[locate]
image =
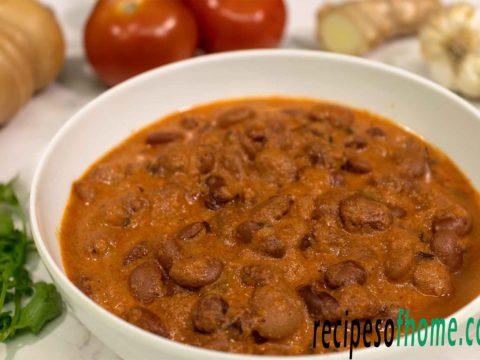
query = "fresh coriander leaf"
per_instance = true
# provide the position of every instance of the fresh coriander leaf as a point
(5, 321)
(45, 305)
(7, 195)
(6, 225)
(16, 286)
(23, 282)
(8, 297)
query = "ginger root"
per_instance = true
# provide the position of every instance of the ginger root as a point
(356, 27)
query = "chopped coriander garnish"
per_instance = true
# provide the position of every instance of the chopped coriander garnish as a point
(24, 305)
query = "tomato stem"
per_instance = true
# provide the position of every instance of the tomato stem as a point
(130, 7)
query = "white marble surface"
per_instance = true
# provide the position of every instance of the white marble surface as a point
(24, 139)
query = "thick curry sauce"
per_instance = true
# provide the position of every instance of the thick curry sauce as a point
(233, 226)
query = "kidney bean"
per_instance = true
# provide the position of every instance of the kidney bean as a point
(273, 209)
(234, 116)
(444, 245)
(276, 165)
(172, 162)
(345, 273)
(458, 220)
(423, 238)
(211, 203)
(416, 167)
(278, 312)
(400, 256)
(375, 131)
(337, 179)
(324, 209)
(258, 339)
(239, 326)
(162, 137)
(256, 275)
(192, 197)
(424, 256)
(114, 213)
(206, 161)
(246, 230)
(154, 167)
(317, 155)
(459, 225)
(306, 241)
(414, 160)
(338, 116)
(267, 242)
(192, 230)
(219, 193)
(189, 122)
(257, 132)
(432, 278)
(124, 211)
(398, 212)
(361, 214)
(357, 143)
(249, 147)
(108, 173)
(195, 272)
(146, 320)
(274, 247)
(232, 161)
(134, 204)
(98, 246)
(167, 253)
(357, 166)
(390, 311)
(137, 252)
(393, 183)
(359, 302)
(209, 314)
(84, 283)
(85, 190)
(320, 305)
(171, 196)
(145, 282)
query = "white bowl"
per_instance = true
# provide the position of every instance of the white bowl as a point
(439, 116)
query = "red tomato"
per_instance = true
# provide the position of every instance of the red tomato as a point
(126, 37)
(239, 24)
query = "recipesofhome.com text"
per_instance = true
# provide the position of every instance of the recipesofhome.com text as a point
(402, 331)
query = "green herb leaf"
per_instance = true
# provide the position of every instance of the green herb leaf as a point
(7, 195)
(5, 321)
(45, 305)
(6, 225)
(16, 285)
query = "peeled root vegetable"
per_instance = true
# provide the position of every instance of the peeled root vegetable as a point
(356, 27)
(450, 43)
(31, 52)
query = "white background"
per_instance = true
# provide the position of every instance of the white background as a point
(22, 143)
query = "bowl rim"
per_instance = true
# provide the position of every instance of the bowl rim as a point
(171, 346)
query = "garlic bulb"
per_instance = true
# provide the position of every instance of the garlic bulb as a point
(450, 42)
